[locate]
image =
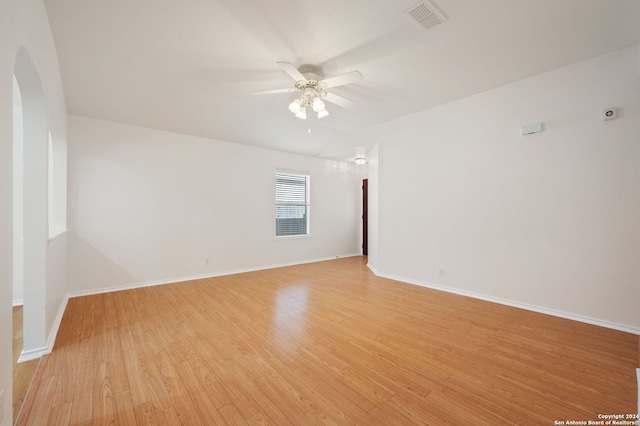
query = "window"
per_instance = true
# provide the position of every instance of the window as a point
(57, 186)
(292, 204)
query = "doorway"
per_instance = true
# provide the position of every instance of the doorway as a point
(29, 216)
(365, 217)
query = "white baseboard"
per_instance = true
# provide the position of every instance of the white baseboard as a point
(53, 333)
(32, 354)
(18, 302)
(51, 340)
(373, 269)
(200, 276)
(534, 308)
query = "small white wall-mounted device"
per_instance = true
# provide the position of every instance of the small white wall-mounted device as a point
(531, 129)
(609, 114)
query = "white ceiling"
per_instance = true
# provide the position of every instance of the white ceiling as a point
(190, 66)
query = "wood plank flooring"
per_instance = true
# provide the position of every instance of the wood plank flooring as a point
(22, 372)
(323, 343)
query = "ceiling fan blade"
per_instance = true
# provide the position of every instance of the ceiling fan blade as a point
(292, 71)
(338, 100)
(346, 78)
(269, 92)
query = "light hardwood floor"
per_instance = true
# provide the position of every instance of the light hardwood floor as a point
(23, 371)
(323, 343)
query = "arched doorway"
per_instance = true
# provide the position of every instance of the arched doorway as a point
(31, 196)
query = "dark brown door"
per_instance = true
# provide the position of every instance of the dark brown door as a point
(365, 213)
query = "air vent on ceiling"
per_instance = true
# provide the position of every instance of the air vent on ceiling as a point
(427, 15)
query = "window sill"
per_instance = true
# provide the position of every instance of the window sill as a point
(55, 233)
(292, 237)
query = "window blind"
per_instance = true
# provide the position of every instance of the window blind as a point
(292, 204)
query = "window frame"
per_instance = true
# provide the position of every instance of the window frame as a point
(307, 203)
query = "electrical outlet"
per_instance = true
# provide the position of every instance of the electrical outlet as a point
(206, 261)
(441, 271)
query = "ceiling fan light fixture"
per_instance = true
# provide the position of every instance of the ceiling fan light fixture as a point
(302, 114)
(317, 104)
(295, 106)
(312, 86)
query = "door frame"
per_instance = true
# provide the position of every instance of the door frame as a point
(365, 217)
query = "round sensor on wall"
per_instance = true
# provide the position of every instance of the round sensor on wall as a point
(609, 114)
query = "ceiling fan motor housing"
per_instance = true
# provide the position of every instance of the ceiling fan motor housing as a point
(311, 72)
(311, 87)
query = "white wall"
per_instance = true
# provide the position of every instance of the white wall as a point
(6, 204)
(373, 206)
(18, 245)
(550, 220)
(148, 206)
(24, 27)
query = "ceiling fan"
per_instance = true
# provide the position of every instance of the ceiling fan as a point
(309, 81)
